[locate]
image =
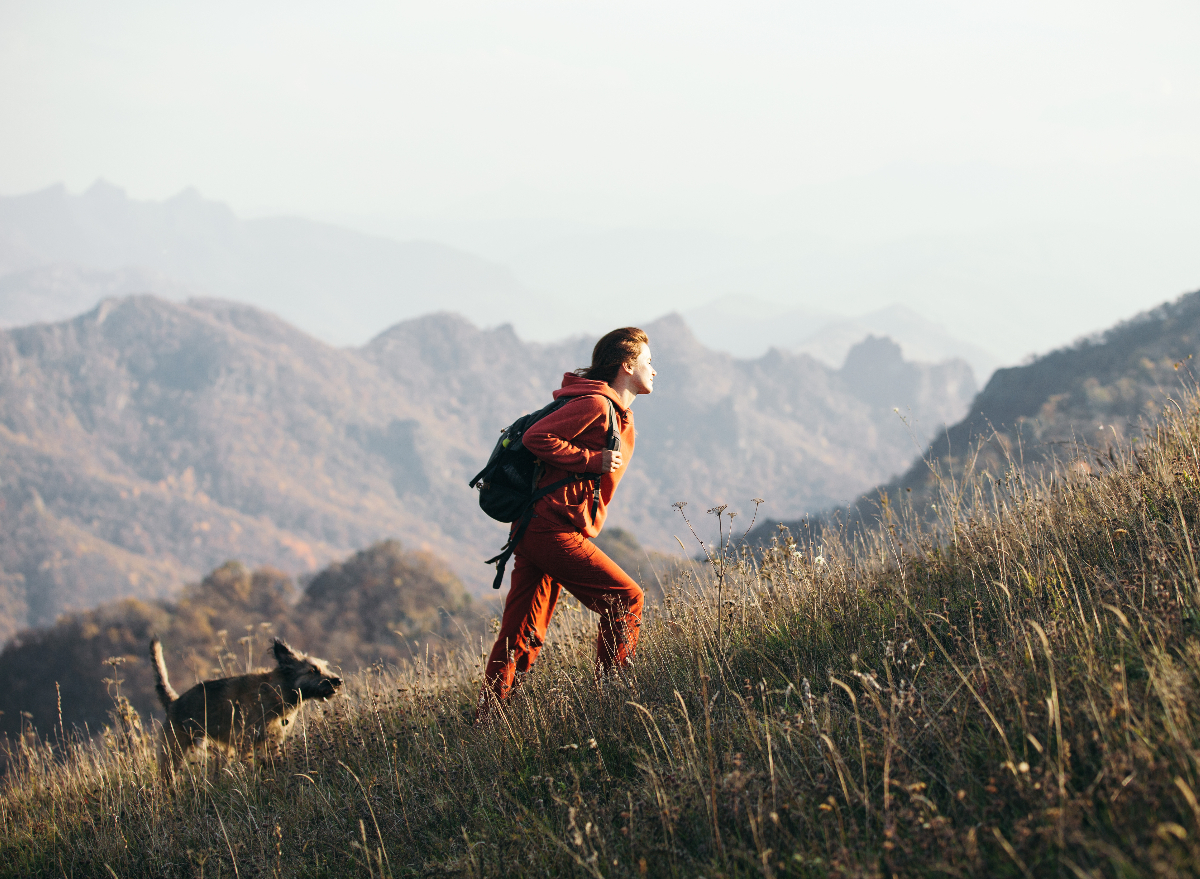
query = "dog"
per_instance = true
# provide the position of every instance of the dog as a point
(240, 715)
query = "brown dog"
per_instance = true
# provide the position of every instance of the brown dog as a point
(240, 715)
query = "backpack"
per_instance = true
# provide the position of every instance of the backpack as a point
(508, 482)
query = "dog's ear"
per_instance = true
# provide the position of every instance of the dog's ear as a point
(283, 653)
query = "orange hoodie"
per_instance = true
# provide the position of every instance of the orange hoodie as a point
(572, 440)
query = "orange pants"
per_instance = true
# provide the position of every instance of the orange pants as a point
(544, 564)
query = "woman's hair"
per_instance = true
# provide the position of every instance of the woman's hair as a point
(613, 351)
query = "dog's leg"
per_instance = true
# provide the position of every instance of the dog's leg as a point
(171, 750)
(165, 768)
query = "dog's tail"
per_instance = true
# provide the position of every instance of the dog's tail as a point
(162, 685)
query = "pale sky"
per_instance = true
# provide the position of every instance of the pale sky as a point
(851, 124)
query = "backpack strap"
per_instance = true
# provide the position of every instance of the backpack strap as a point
(614, 443)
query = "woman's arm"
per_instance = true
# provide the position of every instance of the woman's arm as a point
(554, 438)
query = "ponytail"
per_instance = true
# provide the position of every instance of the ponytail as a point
(613, 351)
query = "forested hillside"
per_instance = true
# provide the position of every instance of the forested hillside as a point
(148, 441)
(376, 606)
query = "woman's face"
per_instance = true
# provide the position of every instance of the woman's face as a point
(642, 373)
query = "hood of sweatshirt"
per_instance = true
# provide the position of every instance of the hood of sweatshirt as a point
(574, 386)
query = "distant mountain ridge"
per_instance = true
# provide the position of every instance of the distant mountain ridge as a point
(60, 291)
(747, 327)
(1067, 408)
(61, 253)
(148, 441)
(334, 283)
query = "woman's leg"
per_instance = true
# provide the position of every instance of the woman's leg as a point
(580, 567)
(532, 596)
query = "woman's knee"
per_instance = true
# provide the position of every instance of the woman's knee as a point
(635, 599)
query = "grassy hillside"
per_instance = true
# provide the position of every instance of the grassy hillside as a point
(1012, 694)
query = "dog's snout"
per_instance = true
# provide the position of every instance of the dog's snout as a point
(337, 682)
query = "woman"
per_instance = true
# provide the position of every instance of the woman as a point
(556, 552)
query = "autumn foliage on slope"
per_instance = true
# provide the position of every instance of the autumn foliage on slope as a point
(368, 608)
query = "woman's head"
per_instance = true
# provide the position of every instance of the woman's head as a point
(614, 350)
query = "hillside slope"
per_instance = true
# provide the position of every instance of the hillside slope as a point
(148, 441)
(1074, 404)
(1068, 407)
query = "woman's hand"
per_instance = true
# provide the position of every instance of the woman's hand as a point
(610, 460)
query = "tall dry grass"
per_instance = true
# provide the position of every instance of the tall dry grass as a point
(1011, 691)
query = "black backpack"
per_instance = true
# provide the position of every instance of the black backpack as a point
(508, 482)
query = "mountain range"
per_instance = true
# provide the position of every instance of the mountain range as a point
(337, 284)
(60, 254)
(148, 441)
(748, 327)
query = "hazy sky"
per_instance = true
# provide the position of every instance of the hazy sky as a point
(857, 124)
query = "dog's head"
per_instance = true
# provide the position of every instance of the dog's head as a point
(307, 675)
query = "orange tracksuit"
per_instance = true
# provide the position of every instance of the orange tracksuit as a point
(556, 552)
